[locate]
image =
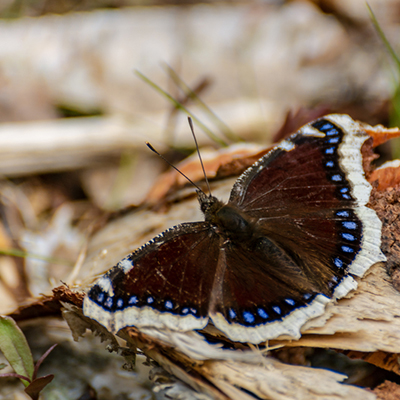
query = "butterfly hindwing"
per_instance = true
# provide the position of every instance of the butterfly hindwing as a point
(165, 283)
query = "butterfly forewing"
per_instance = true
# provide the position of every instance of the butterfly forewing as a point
(308, 207)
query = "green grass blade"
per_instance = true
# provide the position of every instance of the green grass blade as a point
(183, 108)
(224, 129)
(383, 37)
(15, 348)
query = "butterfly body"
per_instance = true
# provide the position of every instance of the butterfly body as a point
(226, 219)
(294, 231)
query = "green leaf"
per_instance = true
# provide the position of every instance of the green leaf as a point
(15, 348)
(35, 387)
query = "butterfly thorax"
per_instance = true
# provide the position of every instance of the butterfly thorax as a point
(227, 219)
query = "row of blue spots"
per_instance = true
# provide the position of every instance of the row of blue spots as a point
(338, 178)
(330, 131)
(108, 302)
(104, 301)
(188, 310)
(249, 317)
(344, 191)
(349, 237)
(168, 305)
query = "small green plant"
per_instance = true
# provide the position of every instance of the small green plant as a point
(15, 348)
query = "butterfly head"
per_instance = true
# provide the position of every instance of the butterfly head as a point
(209, 204)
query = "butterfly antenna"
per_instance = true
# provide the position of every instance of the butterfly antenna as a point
(171, 165)
(198, 152)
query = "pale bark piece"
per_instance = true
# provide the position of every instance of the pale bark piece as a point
(366, 321)
(229, 377)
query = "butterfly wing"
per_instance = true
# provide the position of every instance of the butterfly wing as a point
(307, 197)
(165, 283)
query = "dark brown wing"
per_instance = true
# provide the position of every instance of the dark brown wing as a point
(166, 283)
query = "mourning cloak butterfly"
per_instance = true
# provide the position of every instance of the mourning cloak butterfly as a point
(294, 231)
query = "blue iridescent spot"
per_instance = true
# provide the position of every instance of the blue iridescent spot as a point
(150, 300)
(348, 236)
(291, 302)
(100, 297)
(338, 262)
(185, 310)
(346, 196)
(343, 214)
(331, 150)
(248, 317)
(133, 300)
(193, 311)
(330, 164)
(347, 249)
(336, 178)
(276, 309)
(344, 190)
(168, 305)
(232, 314)
(332, 132)
(109, 302)
(120, 303)
(333, 140)
(326, 127)
(349, 224)
(261, 312)
(306, 296)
